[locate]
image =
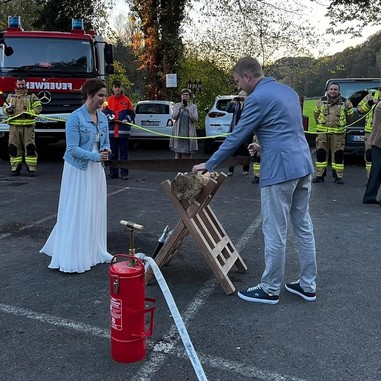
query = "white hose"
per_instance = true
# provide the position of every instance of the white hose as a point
(150, 262)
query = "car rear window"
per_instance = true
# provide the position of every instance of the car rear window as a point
(152, 108)
(222, 104)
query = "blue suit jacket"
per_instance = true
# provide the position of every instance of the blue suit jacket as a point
(272, 111)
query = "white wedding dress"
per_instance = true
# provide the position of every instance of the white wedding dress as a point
(79, 238)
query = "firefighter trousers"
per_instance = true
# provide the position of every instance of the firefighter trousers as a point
(22, 144)
(257, 166)
(368, 154)
(333, 144)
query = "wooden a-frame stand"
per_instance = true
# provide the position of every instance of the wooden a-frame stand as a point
(198, 220)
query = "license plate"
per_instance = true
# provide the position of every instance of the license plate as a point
(220, 129)
(150, 123)
(357, 138)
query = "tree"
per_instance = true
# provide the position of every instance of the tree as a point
(120, 74)
(228, 30)
(160, 25)
(57, 14)
(342, 12)
(215, 80)
(128, 61)
(26, 10)
(128, 44)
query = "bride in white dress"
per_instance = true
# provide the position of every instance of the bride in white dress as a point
(79, 238)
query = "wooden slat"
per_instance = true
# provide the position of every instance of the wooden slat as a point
(198, 220)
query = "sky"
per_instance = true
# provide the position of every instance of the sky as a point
(317, 18)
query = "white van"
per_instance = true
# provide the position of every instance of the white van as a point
(155, 117)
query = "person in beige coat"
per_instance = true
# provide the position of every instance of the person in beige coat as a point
(374, 181)
(183, 141)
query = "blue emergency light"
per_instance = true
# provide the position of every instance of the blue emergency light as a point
(14, 22)
(77, 24)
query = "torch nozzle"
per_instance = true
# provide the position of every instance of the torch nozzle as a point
(164, 235)
(131, 225)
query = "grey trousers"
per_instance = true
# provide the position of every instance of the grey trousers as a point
(281, 204)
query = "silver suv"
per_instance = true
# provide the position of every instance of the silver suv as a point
(217, 122)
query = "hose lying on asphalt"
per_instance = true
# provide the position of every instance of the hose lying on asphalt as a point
(149, 262)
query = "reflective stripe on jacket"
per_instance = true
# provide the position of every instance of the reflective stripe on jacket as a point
(23, 106)
(332, 116)
(363, 108)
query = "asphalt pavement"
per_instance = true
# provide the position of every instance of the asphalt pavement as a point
(56, 326)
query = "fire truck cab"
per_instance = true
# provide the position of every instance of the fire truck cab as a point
(54, 65)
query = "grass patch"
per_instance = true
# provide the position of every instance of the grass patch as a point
(308, 110)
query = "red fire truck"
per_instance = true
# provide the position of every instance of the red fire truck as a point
(54, 65)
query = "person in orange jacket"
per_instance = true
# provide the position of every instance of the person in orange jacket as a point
(118, 107)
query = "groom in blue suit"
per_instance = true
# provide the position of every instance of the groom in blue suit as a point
(272, 112)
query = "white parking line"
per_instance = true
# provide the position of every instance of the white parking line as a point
(42, 220)
(161, 350)
(235, 367)
(171, 339)
(54, 320)
(6, 235)
(130, 188)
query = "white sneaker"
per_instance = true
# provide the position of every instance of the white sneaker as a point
(245, 173)
(230, 173)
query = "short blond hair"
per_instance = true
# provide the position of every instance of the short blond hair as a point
(248, 65)
(183, 91)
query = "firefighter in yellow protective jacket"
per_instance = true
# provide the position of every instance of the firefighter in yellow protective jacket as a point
(332, 113)
(366, 106)
(21, 108)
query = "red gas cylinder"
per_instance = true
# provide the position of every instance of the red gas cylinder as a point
(127, 309)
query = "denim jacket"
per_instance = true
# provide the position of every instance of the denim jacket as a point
(80, 137)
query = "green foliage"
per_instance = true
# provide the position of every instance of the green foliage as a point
(343, 12)
(120, 75)
(57, 14)
(160, 24)
(154, 46)
(124, 54)
(226, 31)
(215, 81)
(308, 76)
(28, 12)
